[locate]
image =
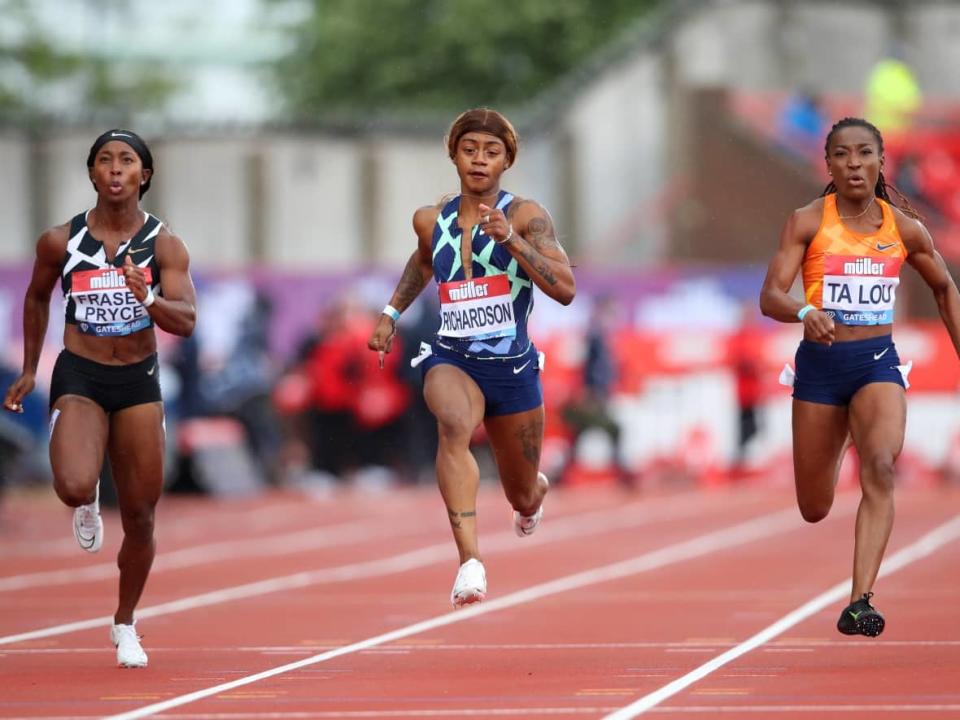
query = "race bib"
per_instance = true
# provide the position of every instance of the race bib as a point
(860, 290)
(477, 309)
(102, 304)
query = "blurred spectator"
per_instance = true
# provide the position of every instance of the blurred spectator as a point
(419, 425)
(892, 94)
(353, 411)
(225, 369)
(802, 125)
(591, 409)
(746, 348)
(23, 437)
(909, 180)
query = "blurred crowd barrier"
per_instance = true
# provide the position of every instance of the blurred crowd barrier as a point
(654, 378)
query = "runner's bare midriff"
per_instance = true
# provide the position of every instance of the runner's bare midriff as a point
(124, 350)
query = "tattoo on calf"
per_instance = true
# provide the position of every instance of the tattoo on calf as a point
(456, 516)
(530, 438)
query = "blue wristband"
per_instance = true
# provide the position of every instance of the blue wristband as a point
(802, 312)
(391, 312)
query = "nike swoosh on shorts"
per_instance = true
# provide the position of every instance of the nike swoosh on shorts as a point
(517, 371)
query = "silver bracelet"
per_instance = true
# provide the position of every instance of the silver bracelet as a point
(507, 238)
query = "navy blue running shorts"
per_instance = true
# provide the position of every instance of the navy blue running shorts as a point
(832, 374)
(508, 386)
(112, 387)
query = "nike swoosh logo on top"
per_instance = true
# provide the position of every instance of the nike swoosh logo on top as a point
(131, 252)
(517, 371)
(152, 370)
(120, 134)
(887, 246)
(877, 356)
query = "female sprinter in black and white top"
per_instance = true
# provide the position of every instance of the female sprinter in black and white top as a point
(121, 273)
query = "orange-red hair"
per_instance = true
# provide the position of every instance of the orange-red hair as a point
(487, 121)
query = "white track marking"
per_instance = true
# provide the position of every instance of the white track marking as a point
(923, 547)
(700, 546)
(184, 529)
(300, 541)
(707, 710)
(593, 522)
(310, 539)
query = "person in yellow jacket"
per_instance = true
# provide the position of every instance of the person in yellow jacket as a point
(893, 95)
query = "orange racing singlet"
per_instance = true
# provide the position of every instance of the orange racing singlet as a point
(853, 277)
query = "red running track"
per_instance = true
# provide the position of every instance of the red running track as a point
(692, 603)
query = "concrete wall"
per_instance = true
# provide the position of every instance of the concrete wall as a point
(615, 153)
(15, 185)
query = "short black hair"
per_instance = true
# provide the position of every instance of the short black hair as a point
(135, 142)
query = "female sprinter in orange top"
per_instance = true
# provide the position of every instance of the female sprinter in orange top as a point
(121, 273)
(486, 249)
(849, 385)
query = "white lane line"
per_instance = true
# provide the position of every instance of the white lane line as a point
(520, 711)
(926, 545)
(300, 541)
(472, 647)
(549, 711)
(585, 524)
(182, 529)
(700, 546)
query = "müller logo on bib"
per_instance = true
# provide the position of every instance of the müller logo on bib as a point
(105, 279)
(861, 266)
(484, 287)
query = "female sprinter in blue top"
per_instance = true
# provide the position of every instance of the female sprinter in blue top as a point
(486, 249)
(121, 273)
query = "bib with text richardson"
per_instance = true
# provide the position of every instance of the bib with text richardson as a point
(104, 306)
(860, 290)
(477, 309)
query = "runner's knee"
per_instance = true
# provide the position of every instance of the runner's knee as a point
(454, 428)
(74, 487)
(877, 473)
(816, 509)
(138, 522)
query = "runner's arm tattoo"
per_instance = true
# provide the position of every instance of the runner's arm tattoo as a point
(541, 235)
(411, 284)
(536, 260)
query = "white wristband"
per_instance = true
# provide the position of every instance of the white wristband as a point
(149, 299)
(802, 312)
(391, 312)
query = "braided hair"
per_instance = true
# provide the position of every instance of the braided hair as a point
(883, 187)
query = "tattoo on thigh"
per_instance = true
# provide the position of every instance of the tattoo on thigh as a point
(530, 438)
(456, 516)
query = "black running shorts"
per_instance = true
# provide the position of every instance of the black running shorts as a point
(112, 387)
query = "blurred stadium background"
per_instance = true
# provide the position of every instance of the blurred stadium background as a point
(294, 138)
